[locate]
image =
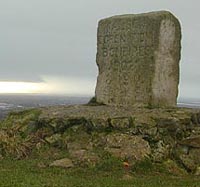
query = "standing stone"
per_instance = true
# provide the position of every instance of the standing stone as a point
(138, 60)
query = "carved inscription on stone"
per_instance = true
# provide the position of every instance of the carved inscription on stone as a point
(126, 56)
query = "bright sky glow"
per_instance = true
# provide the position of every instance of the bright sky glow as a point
(51, 85)
(21, 87)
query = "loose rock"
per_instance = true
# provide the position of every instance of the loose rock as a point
(63, 163)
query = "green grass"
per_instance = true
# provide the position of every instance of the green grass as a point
(26, 173)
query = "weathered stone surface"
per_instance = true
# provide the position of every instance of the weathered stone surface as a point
(121, 123)
(188, 151)
(138, 59)
(124, 146)
(191, 161)
(83, 157)
(64, 163)
(55, 138)
(191, 142)
(197, 172)
(160, 152)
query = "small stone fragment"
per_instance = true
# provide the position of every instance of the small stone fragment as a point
(63, 163)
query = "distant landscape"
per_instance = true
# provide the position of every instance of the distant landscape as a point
(9, 102)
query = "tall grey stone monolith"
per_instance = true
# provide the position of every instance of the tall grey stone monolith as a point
(138, 60)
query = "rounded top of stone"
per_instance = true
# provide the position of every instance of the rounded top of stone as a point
(154, 14)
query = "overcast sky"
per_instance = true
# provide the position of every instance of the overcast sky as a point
(45, 40)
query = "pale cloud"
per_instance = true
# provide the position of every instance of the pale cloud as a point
(67, 85)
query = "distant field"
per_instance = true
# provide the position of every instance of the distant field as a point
(21, 101)
(27, 173)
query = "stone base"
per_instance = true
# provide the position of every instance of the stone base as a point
(88, 132)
